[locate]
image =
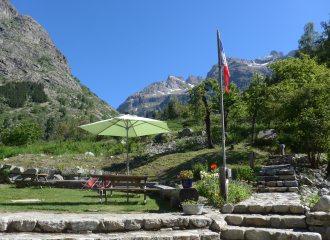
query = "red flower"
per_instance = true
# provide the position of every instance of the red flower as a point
(214, 166)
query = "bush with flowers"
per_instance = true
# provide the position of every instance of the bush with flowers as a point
(209, 188)
(186, 174)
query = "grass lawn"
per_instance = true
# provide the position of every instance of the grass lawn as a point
(63, 200)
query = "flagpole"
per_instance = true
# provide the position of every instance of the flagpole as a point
(222, 170)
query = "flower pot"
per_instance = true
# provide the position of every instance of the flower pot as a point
(192, 209)
(187, 183)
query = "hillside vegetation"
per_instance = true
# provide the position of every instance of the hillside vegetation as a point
(294, 101)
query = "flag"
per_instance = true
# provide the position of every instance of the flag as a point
(225, 66)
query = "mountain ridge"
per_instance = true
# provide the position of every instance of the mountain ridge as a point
(155, 96)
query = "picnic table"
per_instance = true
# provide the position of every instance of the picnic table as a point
(34, 176)
(112, 182)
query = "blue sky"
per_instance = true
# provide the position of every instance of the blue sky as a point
(117, 48)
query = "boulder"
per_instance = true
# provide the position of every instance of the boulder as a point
(89, 154)
(187, 132)
(31, 171)
(201, 133)
(267, 136)
(57, 177)
(322, 205)
(8, 166)
(18, 170)
(227, 208)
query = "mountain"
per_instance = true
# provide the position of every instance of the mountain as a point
(158, 94)
(30, 63)
(241, 71)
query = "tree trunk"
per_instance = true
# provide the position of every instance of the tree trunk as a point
(208, 123)
(328, 169)
(253, 125)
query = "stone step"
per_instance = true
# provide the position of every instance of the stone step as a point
(292, 208)
(277, 160)
(278, 170)
(263, 189)
(293, 183)
(251, 233)
(276, 178)
(195, 234)
(269, 221)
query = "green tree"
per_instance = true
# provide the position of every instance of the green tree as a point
(302, 101)
(147, 116)
(254, 97)
(23, 134)
(231, 102)
(200, 105)
(308, 41)
(323, 45)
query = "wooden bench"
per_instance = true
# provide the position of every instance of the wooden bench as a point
(135, 189)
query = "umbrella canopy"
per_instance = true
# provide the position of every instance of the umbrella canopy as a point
(127, 126)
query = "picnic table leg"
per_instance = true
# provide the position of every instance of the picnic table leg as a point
(106, 197)
(101, 193)
(145, 197)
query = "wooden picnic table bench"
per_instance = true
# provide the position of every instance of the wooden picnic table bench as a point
(34, 176)
(112, 182)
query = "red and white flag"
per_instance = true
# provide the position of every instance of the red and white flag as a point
(225, 66)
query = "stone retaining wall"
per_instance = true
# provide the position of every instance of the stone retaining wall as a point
(319, 222)
(75, 223)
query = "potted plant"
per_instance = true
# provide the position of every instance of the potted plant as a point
(187, 178)
(192, 207)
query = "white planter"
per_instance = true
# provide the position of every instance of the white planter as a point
(192, 209)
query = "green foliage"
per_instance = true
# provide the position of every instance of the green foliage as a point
(63, 101)
(209, 188)
(245, 173)
(316, 44)
(301, 102)
(16, 94)
(5, 172)
(43, 60)
(23, 134)
(197, 169)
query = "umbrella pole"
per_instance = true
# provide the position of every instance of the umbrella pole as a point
(127, 160)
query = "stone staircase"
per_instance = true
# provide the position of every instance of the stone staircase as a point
(275, 211)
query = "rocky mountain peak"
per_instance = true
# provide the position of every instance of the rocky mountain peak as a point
(275, 53)
(192, 79)
(7, 10)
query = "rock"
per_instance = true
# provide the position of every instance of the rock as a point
(24, 225)
(227, 208)
(307, 181)
(187, 132)
(12, 177)
(8, 166)
(267, 136)
(31, 171)
(18, 170)
(322, 205)
(52, 225)
(89, 154)
(113, 224)
(57, 177)
(84, 224)
(201, 133)
(200, 221)
(152, 223)
(133, 224)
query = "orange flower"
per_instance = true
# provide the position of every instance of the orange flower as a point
(214, 166)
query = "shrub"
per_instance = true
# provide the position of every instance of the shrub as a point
(245, 173)
(209, 188)
(197, 168)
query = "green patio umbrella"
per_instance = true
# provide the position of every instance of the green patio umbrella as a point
(127, 126)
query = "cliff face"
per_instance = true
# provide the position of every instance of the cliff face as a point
(27, 53)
